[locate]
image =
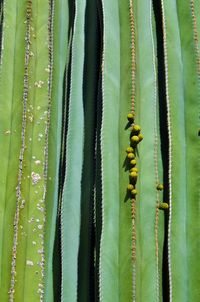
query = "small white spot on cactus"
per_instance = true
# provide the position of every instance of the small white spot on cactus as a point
(49, 178)
(22, 204)
(40, 226)
(33, 242)
(29, 262)
(37, 162)
(41, 209)
(39, 84)
(30, 117)
(30, 139)
(7, 132)
(33, 157)
(31, 220)
(31, 54)
(37, 220)
(35, 178)
(38, 107)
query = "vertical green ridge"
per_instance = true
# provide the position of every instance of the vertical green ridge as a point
(177, 240)
(109, 255)
(70, 212)
(149, 161)
(27, 271)
(60, 33)
(188, 13)
(11, 92)
(125, 224)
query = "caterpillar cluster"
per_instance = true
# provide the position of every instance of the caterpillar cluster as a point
(135, 138)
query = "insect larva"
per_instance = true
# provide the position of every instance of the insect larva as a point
(130, 117)
(134, 169)
(129, 150)
(160, 187)
(134, 192)
(163, 206)
(140, 136)
(135, 139)
(133, 175)
(133, 162)
(136, 129)
(131, 155)
(130, 187)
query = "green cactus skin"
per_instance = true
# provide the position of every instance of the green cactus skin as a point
(179, 29)
(148, 226)
(27, 269)
(11, 93)
(60, 32)
(71, 198)
(109, 274)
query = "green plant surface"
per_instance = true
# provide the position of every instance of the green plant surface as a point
(109, 256)
(189, 34)
(27, 271)
(71, 199)
(125, 224)
(177, 238)
(60, 49)
(11, 93)
(149, 229)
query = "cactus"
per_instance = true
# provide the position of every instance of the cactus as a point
(99, 147)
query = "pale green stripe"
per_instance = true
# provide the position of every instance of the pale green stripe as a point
(11, 92)
(125, 224)
(74, 158)
(190, 53)
(147, 278)
(177, 241)
(60, 34)
(109, 254)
